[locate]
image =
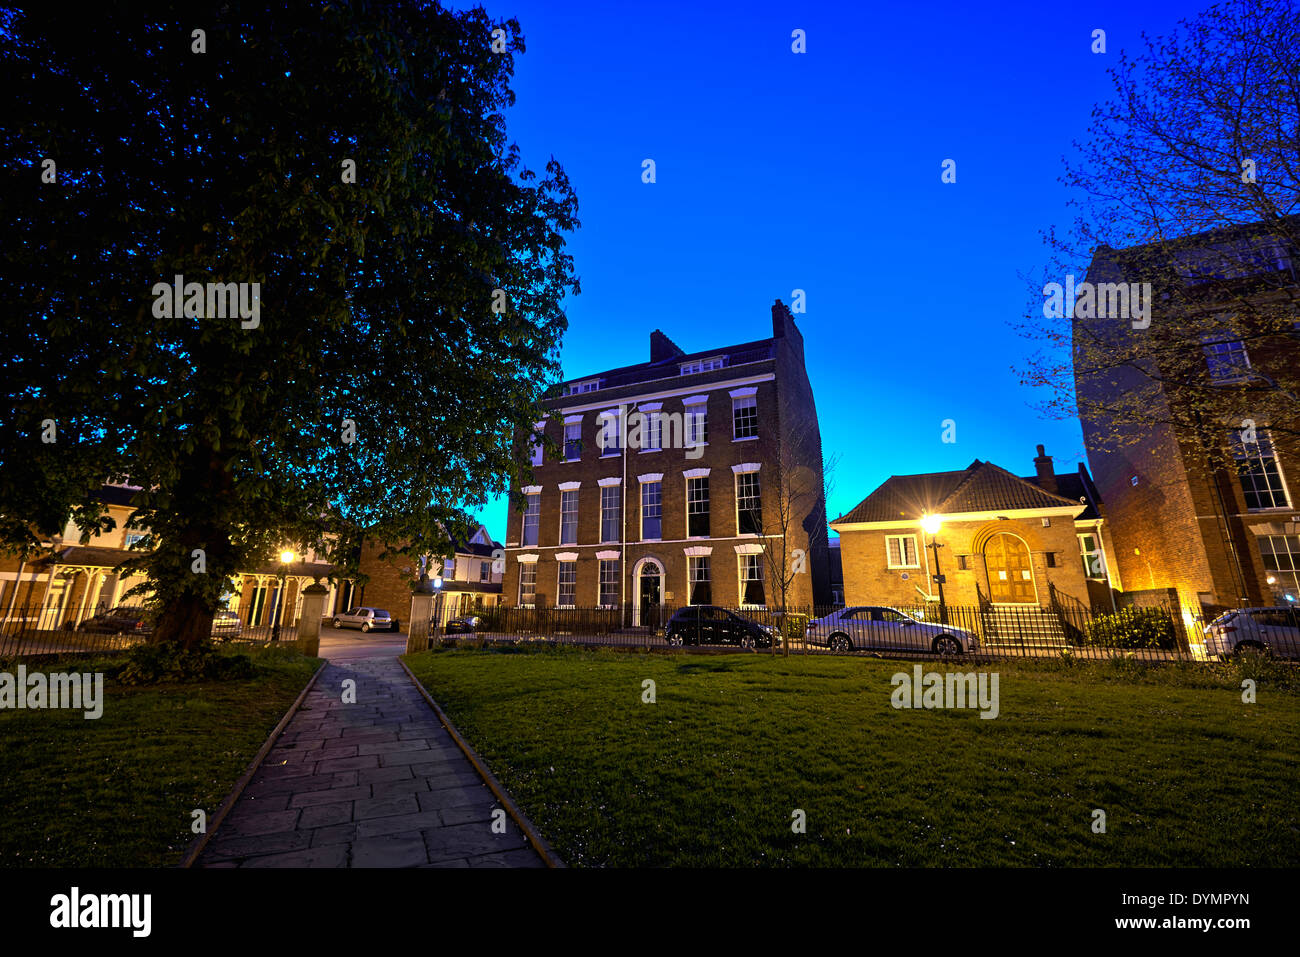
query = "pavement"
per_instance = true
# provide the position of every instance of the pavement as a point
(378, 783)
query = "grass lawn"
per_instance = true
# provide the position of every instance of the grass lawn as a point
(117, 791)
(711, 774)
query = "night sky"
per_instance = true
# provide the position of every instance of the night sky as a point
(821, 171)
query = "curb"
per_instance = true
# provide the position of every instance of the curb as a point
(539, 843)
(199, 843)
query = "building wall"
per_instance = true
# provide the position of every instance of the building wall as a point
(720, 453)
(868, 579)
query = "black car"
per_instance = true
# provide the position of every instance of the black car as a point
(462, 625)
(122, 620)
(710, 625)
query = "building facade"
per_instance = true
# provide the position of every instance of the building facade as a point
(1217, 521)
(72, 582)
(1002, 539)
(468, 582)
(693, 478)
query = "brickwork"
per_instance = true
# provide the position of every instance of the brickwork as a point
(784, 407)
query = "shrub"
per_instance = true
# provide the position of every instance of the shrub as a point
(152, 663)
(1131, 628)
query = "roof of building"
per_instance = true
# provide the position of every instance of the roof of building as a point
(666, 358)
(980, 487)
(1078, 486)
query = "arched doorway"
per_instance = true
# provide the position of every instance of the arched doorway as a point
(647, 592)
(1011, 572)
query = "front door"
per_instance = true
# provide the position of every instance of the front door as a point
(1011, 574)
(648, 604)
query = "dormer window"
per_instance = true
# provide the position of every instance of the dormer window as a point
(703, 365)
(590, 385)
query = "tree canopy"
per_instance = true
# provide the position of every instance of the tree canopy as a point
(348, 165)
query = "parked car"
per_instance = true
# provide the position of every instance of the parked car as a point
(367, 619)
(226, 625)
(876, 627)
(122, 620)
(1274, 631)
(710, 625)
(463, 625)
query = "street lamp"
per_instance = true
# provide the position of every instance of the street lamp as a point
(286, 558)
(930, 524)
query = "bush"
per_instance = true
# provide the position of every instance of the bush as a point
(152, 663)
(1131, 628)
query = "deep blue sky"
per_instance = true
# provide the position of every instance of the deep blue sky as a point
(821, 171)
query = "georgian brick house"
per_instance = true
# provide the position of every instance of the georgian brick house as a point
(669, 483)
(1003, 539)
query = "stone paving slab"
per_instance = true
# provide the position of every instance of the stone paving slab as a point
(378, 783)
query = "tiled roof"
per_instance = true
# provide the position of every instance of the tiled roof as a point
(981, 487)
(89, 555)
(1075, 487)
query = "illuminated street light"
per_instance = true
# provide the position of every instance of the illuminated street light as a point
(286, 559)
(930, 524)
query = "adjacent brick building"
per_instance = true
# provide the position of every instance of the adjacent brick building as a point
(691, 478)
(1220, 536)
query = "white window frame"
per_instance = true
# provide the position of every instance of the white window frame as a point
(647, 480)
(902, 552)
(1254, 453)
(533, 567)
(559, 583)
(565, 492)
(529, 497)
(744, 399)
(741, 471)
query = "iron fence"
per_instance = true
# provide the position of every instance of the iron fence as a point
(984, 631)
(41, 631)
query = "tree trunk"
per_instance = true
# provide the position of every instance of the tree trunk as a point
(184, 621)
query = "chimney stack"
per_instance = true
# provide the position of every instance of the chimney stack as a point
(1046, 473)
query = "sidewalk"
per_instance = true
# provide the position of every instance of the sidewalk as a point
(379, 783)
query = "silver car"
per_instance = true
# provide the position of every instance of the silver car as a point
(367, 619)
(1274, 631)
(226, 625)
(880, 628)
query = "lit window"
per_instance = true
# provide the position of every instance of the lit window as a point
(567, 591)
(1261, 479)
(744, 417)
(1281, 554)
(484, 571)
(569, 517)
(697, 507)
(901, 551)
(1094, 564)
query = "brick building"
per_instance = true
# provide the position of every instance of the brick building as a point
(693, 478)
(1003, 538)
(1215, 521)
(467, 582)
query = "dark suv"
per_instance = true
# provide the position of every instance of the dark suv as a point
(710, 625)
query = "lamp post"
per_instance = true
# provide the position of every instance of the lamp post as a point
(931, 524)
(286, 558)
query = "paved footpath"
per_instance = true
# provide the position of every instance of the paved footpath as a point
(379, 783)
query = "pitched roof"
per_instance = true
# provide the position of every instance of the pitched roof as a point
(981, 487)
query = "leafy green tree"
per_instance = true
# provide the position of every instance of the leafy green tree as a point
(349, 159)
